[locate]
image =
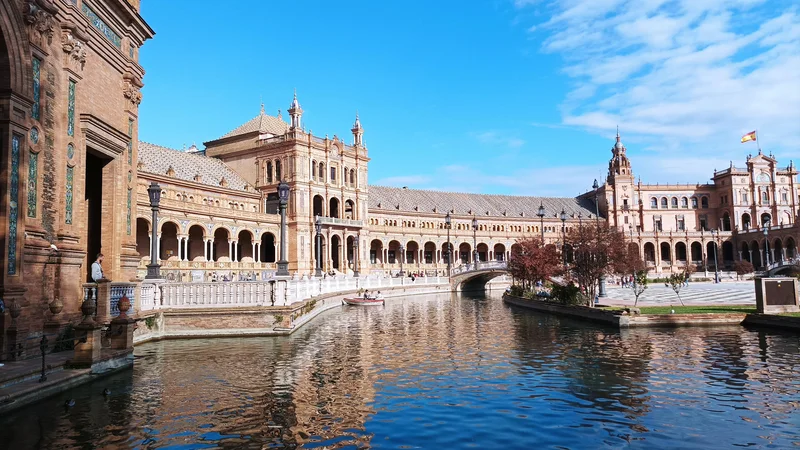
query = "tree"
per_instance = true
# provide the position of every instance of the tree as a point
(531, 261)
(676, 281)
(598, 250)
(742, 268)
(639, 284)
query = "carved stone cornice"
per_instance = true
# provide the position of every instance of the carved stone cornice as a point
(74, 47)
(40, 18)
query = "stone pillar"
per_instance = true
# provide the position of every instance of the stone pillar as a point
(230, 249)
(761, 255)
(751, 255)
(740, 255)
(205, 249)
(254, 252)
(103, 314)
(87, 346)
(257, 252)
(158, 247)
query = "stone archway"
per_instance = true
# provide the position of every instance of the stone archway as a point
(143, 237)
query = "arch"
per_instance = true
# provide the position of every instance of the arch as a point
(349, 210)
(791, 248)
(674, 202)
(650, 252)
(196, 243)
(268, 251)
(445, 254)
(15, 57)
(269, 172)
(654, 203)
(278, 171)
(483, 252)
(348, 251)
(746, 221)
(314, 169)
(321, 172)
(319, 205)
(220, 246)
(353, 178)
(727, 253)
(726, 221)
(746, 252)
(665, 252)
(336, 243)
(412, 249)
(333, 211)
(704, 202)
(680, 252)
(694, 202)
(244, 246)
(142, 237)
(755, 249)
(711, 248)
(696, 252)
(376, 251)
(169, 240)
(684, 202)
(499, 252)
(776, 250)
(664, 204)
(766, 219)
(429, 253)
(465, 253)
(393, 252)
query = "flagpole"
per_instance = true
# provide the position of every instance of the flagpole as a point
(758, 142)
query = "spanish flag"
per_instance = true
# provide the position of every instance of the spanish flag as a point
(751, 136)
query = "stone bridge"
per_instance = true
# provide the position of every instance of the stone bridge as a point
(786, 267)
(469, 277)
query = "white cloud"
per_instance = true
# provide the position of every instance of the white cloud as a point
(684, 77)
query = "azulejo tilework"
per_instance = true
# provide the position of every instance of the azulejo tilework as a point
(68, 195)
(13, 198)
(36, 88)
(98, 23)
(70, 151)
(33, 180)
(71, 109)
(35, 135)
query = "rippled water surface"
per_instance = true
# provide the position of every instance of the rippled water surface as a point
(438, 372)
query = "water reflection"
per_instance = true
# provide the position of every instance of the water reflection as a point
(437, 372)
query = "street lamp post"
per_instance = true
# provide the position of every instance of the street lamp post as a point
(766, 243)
(716, 270)
(402, 257)
(602, 280)
(283, 200)
(541, 214)
(154, 268)
(564, 237)
(475, 241)
(355, 257)
(318, 265)
(448, 224)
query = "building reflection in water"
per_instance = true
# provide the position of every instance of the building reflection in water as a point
(443, 369)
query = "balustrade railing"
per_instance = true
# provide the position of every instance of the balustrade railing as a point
(263, 293)
(484, 265)
(119, 290)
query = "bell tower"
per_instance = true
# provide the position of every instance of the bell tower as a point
(623, 201)
(619, 168)
(358, 133)
(295, 112)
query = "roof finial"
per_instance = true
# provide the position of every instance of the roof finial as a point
(279, 114)
(617, 132)
(261, 97)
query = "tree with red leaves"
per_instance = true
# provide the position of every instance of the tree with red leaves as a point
(597, 250)
(531, 261)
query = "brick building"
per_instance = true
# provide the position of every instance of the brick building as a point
(69, 96)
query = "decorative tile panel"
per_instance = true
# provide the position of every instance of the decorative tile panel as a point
(98, 23)
(70, 151)
(13, 198)
(35, 135)
(33, 181)
(68, 196)
(37, 64)
(71, 109)
(129, 211)
(130, 141)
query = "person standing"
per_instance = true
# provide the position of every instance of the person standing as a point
(97, 268)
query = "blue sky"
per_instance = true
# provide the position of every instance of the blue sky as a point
(497, 96)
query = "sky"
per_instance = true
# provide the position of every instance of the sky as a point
(515, 97)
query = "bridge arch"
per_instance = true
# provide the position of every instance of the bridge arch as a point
(467, 278)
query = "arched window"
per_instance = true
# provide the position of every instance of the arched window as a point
(269, 172)
(654, 203)
(664, 202)
(322, 172)
(278, 170)
(313, 170)
(353, 177)
(694, 202)
(345, 178)
(674, 202)
(764, 196)
(684, 202)
(704, 202)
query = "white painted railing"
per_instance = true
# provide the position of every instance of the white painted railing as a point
(486, 265)
(263, 293)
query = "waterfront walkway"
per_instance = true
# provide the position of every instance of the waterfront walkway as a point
(728, 293)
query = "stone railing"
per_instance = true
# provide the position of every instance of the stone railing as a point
(343, 222)
(263, 293)
(118, 290)
(485, 265)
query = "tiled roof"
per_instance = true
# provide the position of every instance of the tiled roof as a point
(262, 123)
(412, 200)
(158, 160)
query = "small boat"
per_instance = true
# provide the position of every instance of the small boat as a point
(361, 301)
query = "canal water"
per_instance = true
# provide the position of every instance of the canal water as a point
(438, 372)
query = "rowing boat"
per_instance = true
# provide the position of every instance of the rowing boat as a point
(360, 301)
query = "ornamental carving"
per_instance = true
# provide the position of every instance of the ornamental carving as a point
(38, 16)
(74, 49)
(130, 90)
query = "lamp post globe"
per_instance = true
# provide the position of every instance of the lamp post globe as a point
(318, 256)
(283, 199)
(154, 268)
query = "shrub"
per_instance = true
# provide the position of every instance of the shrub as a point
(516, 290)
(568, 295)
(65, 339)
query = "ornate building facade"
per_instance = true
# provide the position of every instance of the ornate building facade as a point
(69, 97)
(219, 217)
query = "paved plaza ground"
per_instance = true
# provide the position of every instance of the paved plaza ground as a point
(727, 293)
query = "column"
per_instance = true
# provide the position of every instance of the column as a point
(761, 254)
(149, 244)
(751, 255)
(235, 251)
(257, 254)
(230, 249)
(158, 247)
(254, 252)
(205, 249)
(740, 255)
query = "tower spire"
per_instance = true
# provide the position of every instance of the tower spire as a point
(358, 132)
(262, 104)
(295, 112)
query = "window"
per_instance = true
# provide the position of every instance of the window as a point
(373, 256)
(278, 170)
(694, 202)
(313, 170)
(681, 224)
(269, 172)
(322, 172)
(744, 198)
(684, 202)
(333, 174)
(626, 219)
(674, 202)
(664, 202)
(704, 202)
(764, 197)
(654, 203)
(703, 223)
(428, 257)
(392, 258)
(658, 224)
(784, 197)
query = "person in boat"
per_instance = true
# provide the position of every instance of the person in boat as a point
(366, 294)
(379, 296)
